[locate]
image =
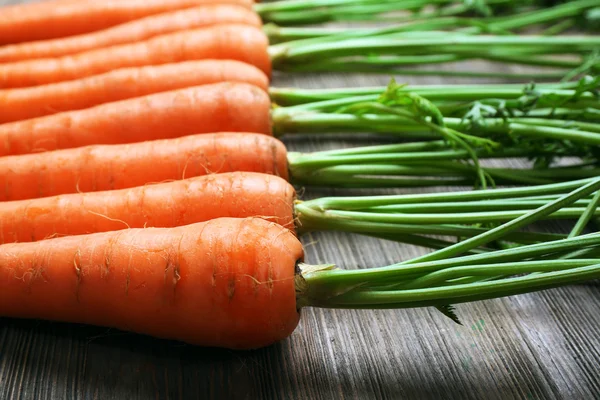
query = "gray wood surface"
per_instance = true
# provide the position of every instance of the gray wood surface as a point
(537, 346)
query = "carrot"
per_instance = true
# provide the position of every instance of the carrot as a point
(47, 20)
(227, 282)
(182, 202)
(227, 106)
(228, 41)
(37, 101)
(134, 31)
(96, 168)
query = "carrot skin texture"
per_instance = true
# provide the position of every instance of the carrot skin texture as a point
(46, 21)
(98, 168)
(164, 205)
(37, 101)
(134, 31)
(228, 282)
(227, 106)
(224, 42)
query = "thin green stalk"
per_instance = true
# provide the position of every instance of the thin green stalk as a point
(294, 12)
(362, 202)
(487, 270)
(435, 93)
(379, 66)
(423, 241)
(486, 128)
(517, 223)
(456, 294)
(468, 207)
(456, 17)
(288, 53)
(544, 15)
(324, 280)
(443, 217)
(586, 216)
(310, 220)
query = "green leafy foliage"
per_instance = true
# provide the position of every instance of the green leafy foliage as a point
(395, 96)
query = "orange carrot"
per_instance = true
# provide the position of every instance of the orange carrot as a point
(228, 282)
(134, 31)
(228, 41)
(37, 101)
(47, 20)
(228, 106)
(182, 202)
(94, 168)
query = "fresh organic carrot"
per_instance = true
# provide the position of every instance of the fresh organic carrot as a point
(170, 204)
(227, 282)
(37, 101)
(134, 31)
(227, 41)
(96, 168)
(228, 106)
(47, 20)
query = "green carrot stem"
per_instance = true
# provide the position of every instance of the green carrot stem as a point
(456, 294)
(586, 216)
(288, 53)
(362, 202)
(451, 218)
(311, 12)
(377, 175)
(314, 161)
(325, 280)
(442, 96)
(378, 66)
(546, 122)
(468, 207)
(499, 125)
(309, 220)
(559, 27)
(292, 119)
(294, 12)
(510, 268)
(464, 93)
(517, 223)
(543, 15)
(420, 240)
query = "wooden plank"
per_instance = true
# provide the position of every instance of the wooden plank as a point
(537, 346)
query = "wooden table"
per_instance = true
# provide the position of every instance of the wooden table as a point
(537, 346)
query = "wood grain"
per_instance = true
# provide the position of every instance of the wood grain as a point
(536, 346)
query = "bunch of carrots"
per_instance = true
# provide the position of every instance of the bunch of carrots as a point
(143, 188)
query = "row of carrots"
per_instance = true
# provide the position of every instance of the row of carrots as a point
(127, 115)
(173, 90)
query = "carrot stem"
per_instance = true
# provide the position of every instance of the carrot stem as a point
(586, 216)
(451, 214)
(485, 275)
(492, 16)
(362, 54)
(470, 124)
(444, 277)
(436, 93)
(295, 12)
